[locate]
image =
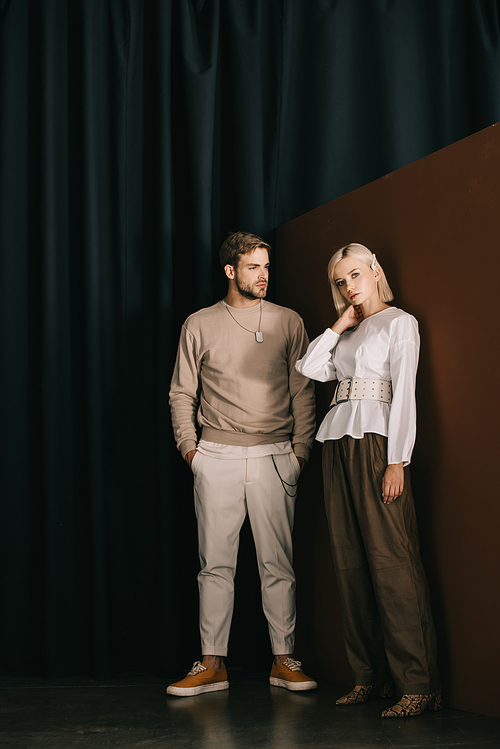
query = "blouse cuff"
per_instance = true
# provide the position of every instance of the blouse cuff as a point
(329, 333)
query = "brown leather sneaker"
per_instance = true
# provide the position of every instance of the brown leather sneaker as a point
(290, 676)
(200, 679)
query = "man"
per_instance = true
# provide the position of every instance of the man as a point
(235, 375)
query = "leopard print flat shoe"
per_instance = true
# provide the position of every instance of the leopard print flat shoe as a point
(363, 693)
(411, 705)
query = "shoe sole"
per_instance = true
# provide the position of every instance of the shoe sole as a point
(293, 686)
(191, 691)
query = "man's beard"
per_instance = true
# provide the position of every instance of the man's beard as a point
(248, 292)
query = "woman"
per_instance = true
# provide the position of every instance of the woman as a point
(368, 435)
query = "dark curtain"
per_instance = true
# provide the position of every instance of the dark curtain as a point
(134, 134)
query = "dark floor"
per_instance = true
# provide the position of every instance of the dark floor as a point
(135, 712)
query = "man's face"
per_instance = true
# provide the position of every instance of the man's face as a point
(251, 275)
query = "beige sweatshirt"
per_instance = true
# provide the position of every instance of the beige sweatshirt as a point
(239, 391)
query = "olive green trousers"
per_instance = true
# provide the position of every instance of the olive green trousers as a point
(388, 627)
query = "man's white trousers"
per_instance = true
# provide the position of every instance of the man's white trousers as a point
(224, 491)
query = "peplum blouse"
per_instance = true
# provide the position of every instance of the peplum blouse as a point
(384, 346)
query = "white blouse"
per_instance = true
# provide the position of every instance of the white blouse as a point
(385, 346)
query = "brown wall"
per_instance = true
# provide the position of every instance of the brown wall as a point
(435, 226)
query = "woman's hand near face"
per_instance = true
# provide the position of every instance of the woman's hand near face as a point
(351, 317)
(393, 482)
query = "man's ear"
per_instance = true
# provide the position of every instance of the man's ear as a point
(229, 271)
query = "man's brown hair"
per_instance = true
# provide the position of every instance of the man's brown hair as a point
(240, 243)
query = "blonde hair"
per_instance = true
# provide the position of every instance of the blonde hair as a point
(366, 256)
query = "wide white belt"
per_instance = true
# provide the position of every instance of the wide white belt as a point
(354, 389)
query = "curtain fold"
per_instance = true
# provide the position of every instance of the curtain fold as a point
(133, 136)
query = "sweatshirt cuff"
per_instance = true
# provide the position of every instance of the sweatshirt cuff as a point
(301, 450)
(187, 446)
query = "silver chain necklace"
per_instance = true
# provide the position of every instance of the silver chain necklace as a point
(259, 335)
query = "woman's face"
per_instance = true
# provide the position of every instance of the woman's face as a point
(356, 281)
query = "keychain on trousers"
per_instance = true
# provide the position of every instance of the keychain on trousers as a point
(284, 483)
